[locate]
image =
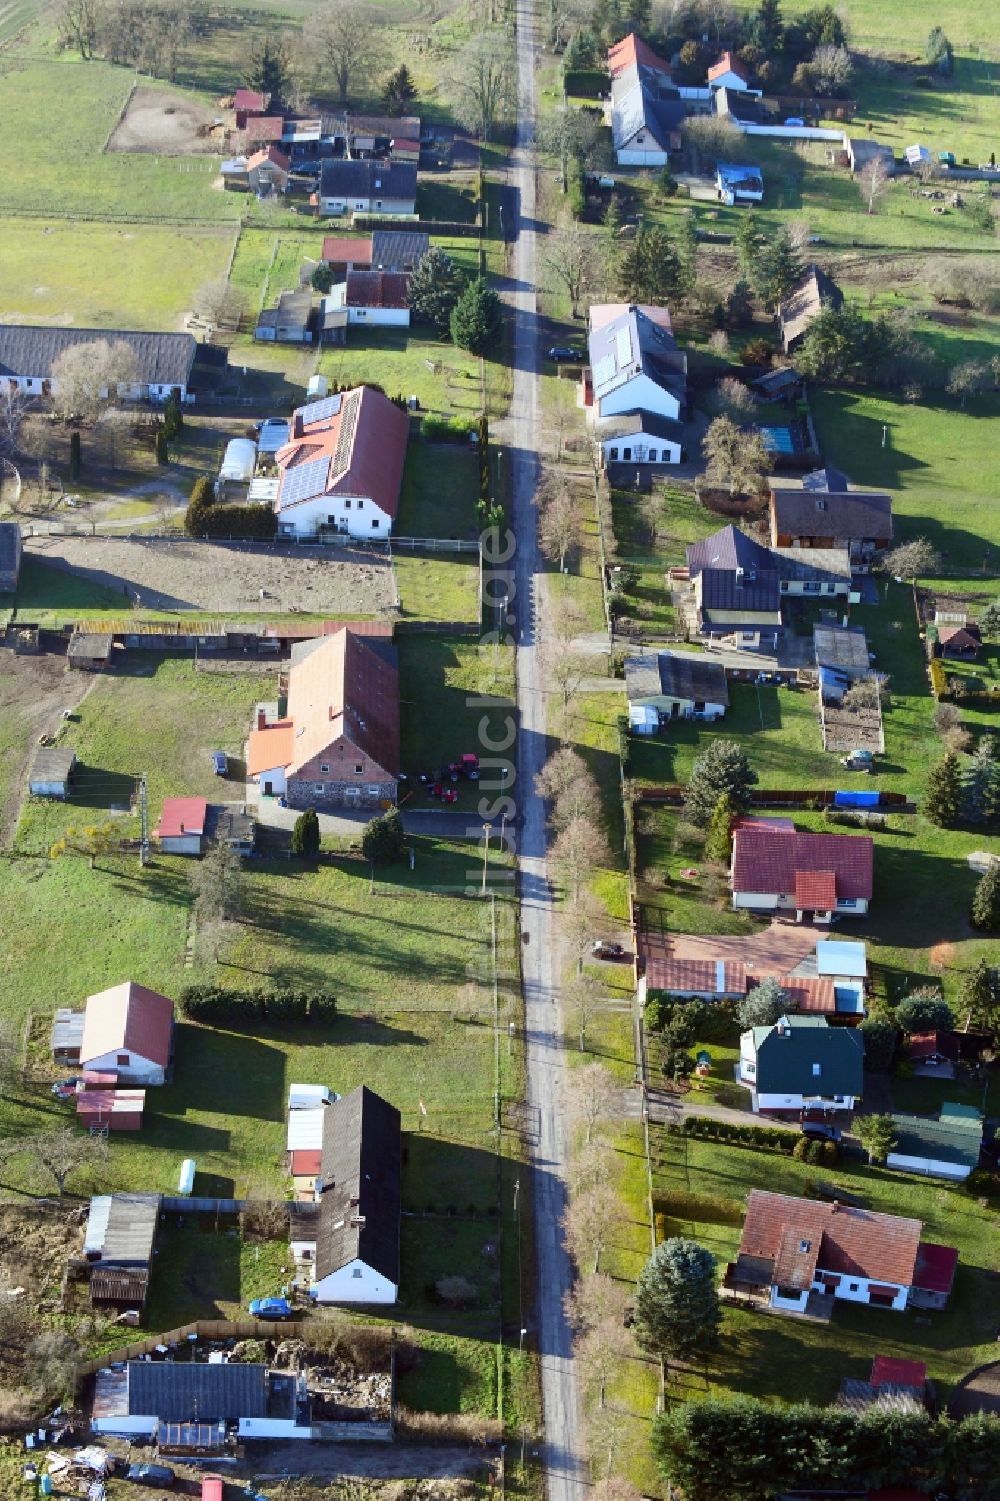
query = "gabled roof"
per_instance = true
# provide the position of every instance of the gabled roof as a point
(728, 548)
(630, 52)
(367, 179)
(392, 127)
(816, 890)
(181, 815)
(360, 1207)
(736, 591)
(182, 1390)
(344, 685)
(852, 1241)
(128, 1017)
(630, 343)
(250, 99)
(269, 154)
(270, 748)
(627, 424)
(640, 101)
(843, 515)
(361, 435)
(666, 674)
(387, 289)
(960, 637)
(267, 128)
(936, 1267)
(790, 1053)
(768, 860)
(339, 249)
(160, 359)
(728, 64)
(718, 976)
(398, 247)
(815, 291)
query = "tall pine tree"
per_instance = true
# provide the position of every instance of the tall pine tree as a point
(986, 901)
(943, 799)
(676, 1301)
(719, 843)
(981, 800)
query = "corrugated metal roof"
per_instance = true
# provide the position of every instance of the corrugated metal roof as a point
(122, 1227)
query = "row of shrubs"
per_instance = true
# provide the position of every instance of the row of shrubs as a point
(760, 1138)
(856, 818)
(216, 1003)
(445, 429)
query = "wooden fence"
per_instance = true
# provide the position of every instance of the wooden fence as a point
(202, 1328)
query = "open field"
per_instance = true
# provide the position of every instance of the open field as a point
(223, 577)
(405, 362)
(792, 1360)
(104, 275)
(440, 489)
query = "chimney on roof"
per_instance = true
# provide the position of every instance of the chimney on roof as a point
(261, 719)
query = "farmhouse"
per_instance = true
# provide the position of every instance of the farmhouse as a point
(814, 292)
(639, 438)
(801, 1063)
(181, 829)
(118, 1246)
(858, 520)
(288, 322)
(267, 170)
(338, 746)
(125, 1033)
(342, 467)
(737, 589)
(947, 1147)
(376, 298)
(736, 184)
(647, 113)
(801, 1250)
(162, 361)
(51, 772)
(635, 363)
(347, 1245)
(818, 876)
(673, 685)
(368, 187)
(729, 73)
(190, 1407)
(10, 556)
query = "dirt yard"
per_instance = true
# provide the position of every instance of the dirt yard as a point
(224, 578)
(34, 693)
(166, 124)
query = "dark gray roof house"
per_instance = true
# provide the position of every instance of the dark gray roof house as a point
(398, 249)
(29, 353)
(814, 292)
(685, 676)
(368, 182)
(728, 548)
(628, 424)
(186, 1391)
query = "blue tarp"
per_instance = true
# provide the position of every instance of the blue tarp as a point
(855, 799)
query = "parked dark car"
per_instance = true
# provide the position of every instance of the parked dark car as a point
(145, 1474)
(563, 352)
(220, 763)
(602, 948)
(821, 1130)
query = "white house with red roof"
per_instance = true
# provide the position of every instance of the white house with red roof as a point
(729, 73)
(181, 829)
(342, 467)
(801, 1249)
(127, 1034)
(776, 868)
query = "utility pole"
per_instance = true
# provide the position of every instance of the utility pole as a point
(144, 820)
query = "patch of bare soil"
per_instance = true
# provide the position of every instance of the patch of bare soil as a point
(979, 1392)
(34, 690)
(846, 730)
(165, 123)
(35, 1244)
(224, 578)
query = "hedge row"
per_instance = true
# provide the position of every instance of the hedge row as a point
(216, 1003)
(446, 429)
(587, 83)
(252, 521)
(760, 1138)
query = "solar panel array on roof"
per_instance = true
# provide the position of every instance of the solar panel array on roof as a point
(623, 342)
(604, 370)
(319, 411)
(303, 481)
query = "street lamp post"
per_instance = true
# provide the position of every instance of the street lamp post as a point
(486, 853)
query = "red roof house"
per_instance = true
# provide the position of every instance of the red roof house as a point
(265, 130)
(248, 102)
(814, 875)
(342, 467)
(181, 829)
(959, 640)
(729, 72)
(128, 1031)
(113, 1109)
(349, 253)
(378, 289)
(633, 52)
(800, 1248)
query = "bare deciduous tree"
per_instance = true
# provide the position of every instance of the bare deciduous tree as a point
(591, 1095)
(566, 782)
(558, 520)
(61, 1151)
(565, 668)
(588, 1222)
(572, 254)
(583, 996)
(873, 181)
(591, 1167)
(736, 456)
(218, 302)
(578, 851)
(51, 1362)
(483, 83)
(88, 377)
(593, 1300)
(14, 405)
(581, 917)
(342, 40)
(76, 26)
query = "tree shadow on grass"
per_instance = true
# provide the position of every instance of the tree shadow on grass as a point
(252, 1073)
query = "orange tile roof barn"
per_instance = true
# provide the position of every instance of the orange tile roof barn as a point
(344, 687)
(128, 1017)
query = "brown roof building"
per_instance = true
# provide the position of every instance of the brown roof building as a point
(858, 520)
(819, 875)
(814, 292)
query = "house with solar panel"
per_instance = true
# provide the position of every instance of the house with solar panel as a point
(342, 467)
(634, 391)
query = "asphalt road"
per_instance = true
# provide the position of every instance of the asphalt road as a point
(566, 1472)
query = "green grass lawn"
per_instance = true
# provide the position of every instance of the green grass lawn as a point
(679, 519)
(440, 488)
(437, 586)
(456, 697)
(406, 362)
(790, 1360)
(104, 275)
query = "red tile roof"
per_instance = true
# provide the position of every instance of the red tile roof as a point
(925, 1045)
(728, 64)
(307, 1162)
(181, 815)
(127, 1017)
(815, 890)
(857, 1242)
(935, 1271)
(770, 861)
(339, 250)
(250, 99)
(365, 440)
(966, 637)
(270, 748)
(388, 289)
(809, 994)
(888, 1371)
(630, 52)
(269, 154)
(344, 686)
(265, 128)
(719, 976)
